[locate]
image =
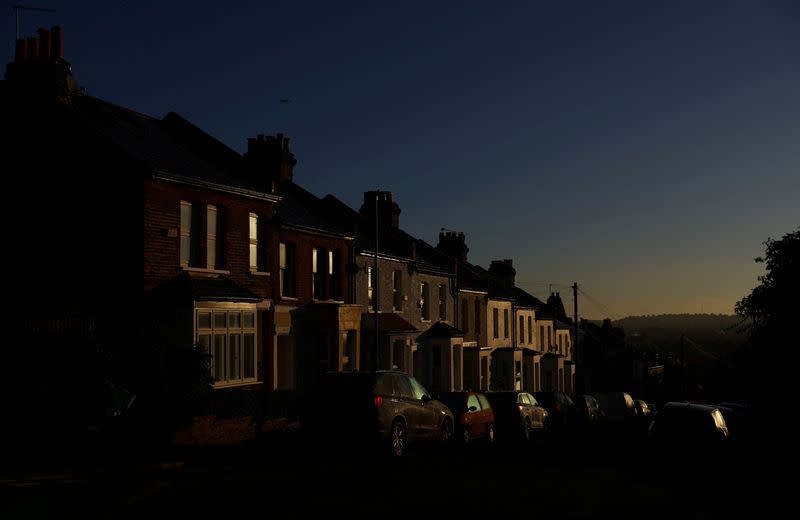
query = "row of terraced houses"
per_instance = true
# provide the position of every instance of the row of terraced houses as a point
(274, 283)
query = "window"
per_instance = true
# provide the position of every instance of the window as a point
(541, 338)
(472, 402)
(549, 336)
(530, 330)
(190, 234)
(397, 290)
(495, 324)
(334, 279)
(215, 238)
(505, 323)
(442, 301)
(317, 258)
(477, 317)
(484, 402)
(256, 234)
(371, 286)
(287, 261)
(228, 338)
(464, 316)
(425, 291)
(521, 329)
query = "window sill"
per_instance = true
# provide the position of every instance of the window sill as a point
(204, 270)
(247, 382)
(259, 273)
(290, 298)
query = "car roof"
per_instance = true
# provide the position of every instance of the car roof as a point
(691, 406)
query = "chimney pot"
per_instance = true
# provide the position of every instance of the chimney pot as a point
(33, 49)
(21, 51)
(56, 43)
(44, 45)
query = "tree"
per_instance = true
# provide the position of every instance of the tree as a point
(770, 312)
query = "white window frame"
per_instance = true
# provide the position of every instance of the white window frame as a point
(227, 332)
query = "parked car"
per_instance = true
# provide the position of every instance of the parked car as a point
(388, 407)
(517, 414)
(473, 415)
(740, 419)
(618, 407)
(588, 412)
(686, 426)
(560, 409)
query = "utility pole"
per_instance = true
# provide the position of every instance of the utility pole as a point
(575, 308)
(375, 289)
(683, 369)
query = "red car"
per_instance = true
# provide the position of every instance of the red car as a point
(472, 413)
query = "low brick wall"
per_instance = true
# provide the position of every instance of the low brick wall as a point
(212, 430)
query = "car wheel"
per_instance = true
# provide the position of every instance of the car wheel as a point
(490, 434)
(398, 438)
(447, 431)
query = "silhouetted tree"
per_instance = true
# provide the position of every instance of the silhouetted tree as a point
(769, 313)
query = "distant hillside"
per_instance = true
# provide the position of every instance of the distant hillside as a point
(708, 335)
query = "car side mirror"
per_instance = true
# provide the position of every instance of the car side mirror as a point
(472, 409)
(426, 398)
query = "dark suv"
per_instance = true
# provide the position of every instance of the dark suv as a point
(687, 428)
(389, 407)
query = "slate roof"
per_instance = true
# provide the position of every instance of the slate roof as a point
(170, 147)
(303, 210)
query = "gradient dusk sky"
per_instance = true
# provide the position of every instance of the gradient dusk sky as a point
(642, 149)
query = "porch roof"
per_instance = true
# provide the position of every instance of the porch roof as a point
(387, 322)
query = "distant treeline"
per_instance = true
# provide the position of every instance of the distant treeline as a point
(707, 335)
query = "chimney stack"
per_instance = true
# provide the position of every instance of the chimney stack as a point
(504, 271)
(453, 245)
(271, 156)
(39, 70)
(388, 211)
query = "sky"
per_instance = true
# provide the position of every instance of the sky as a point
(644, 150)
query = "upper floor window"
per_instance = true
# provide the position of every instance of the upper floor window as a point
(522, 329)
(530, 330)
(287, 269)
(541, 337)
(215, 237)
(442, 301)
(495, 324)
(549, 336)
(190, 234)
(371, 286)
(505, 323)
(425, 292)
(464, 315)
(334, 277)
(477, 317)
(317, 259)
(397, 289)
(256, 234)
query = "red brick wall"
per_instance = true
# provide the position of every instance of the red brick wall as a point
(162, 215)
(304, 243)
